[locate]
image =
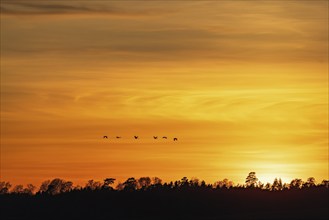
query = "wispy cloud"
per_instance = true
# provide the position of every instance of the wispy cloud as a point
(74, 7)
(269, 32)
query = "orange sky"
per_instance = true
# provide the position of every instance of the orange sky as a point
(242, 84)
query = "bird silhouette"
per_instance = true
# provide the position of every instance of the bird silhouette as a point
(136, 137)
(118, 137)
(164, 137)
(155, 137)
(105, 137)
(175, 139)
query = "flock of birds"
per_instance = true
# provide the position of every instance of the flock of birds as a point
(137, 137)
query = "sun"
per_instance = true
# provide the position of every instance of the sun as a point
(269, 177)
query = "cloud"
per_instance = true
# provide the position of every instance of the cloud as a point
(64, 8)
(269, 32)
(42, 8)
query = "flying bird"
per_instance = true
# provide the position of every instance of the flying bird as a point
(105, 137)
(175, 139)
(118, 137)
(164, 137)
(155, 137)
(136, 137)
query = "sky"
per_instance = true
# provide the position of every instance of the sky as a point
(243, 85)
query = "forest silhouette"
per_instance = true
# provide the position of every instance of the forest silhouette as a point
(150, 198)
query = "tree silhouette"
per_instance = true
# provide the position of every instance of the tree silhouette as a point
(144, 198)
(267, 186)
(225, 183)
(251, 180)
(44, 186)
(325, 183)
(93, 185)
(156, 181)
(120, 186)
(144, 182)
(194, 182)
(107, 183)
(4, 187)
(296, 184)
(203, 184)
(310, 182)
(130, 184)
(58, 185)
(18, 189)
(277, 184)
(54, 186)
(184, 182)
(29, 189)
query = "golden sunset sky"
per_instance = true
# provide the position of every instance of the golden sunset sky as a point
(243, 85)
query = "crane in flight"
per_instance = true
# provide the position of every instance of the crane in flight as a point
(137, 137)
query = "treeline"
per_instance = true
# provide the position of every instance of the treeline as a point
(58, 186)
(148, 198)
